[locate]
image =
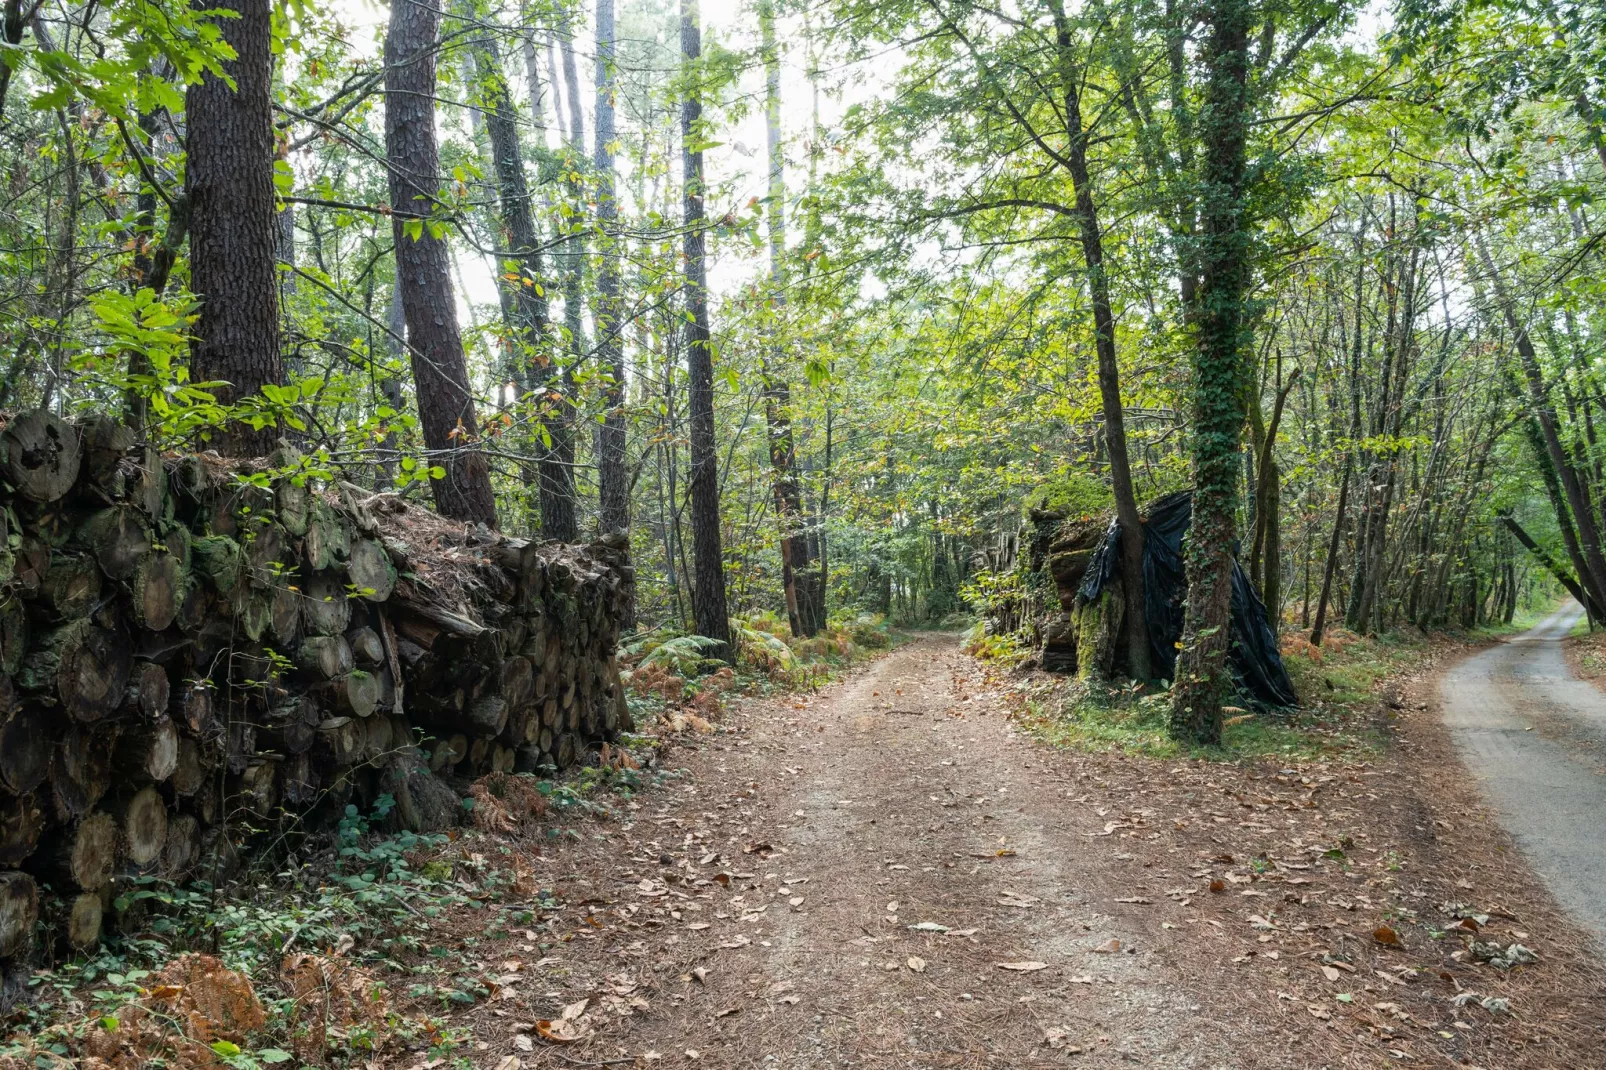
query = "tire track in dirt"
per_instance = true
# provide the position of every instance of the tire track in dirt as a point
(896, 799)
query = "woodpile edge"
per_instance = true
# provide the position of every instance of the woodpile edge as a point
(199, 657)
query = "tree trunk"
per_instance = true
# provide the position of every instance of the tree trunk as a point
(1594, 577)
(708, 588)
(523, 280)
(1091, 235)
(229, 184)
(440, 371)
(1220, 324)
(612, 478)
(797, 575)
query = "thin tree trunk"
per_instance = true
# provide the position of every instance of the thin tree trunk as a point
(229, 184)
(612, 478)
(1098, 284)
(1594, 577)
(522, 277)
(708, 588)
(797, 577)
(1220, 323)
(440, 371)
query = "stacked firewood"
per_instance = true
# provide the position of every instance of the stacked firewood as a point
(200, 656)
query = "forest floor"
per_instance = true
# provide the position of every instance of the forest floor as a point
(892, 872)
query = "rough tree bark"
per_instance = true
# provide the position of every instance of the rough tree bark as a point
(523, 276)
(797, 574)
(708, 587)
(229, 185)
(1219, 324)
(607, 312)
(440, 372)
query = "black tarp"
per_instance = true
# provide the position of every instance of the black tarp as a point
(1253, 652)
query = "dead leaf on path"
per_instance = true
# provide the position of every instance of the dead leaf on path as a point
(1218, 885)
(1081, 979)
(930, 927)
(917, 964)
(892, 908)
(789, 1000)
(1134, 899)
(727, 1012)
(1108, 948)
(1330, 973)
(962, 932)
(1385, 935)
(562, 1031)
(1023, 967)
(510, 1062)
(698, 926)
(701, 973)
(1319, 1011)
(763, 850)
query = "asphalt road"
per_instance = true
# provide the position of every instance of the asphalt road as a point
(1534, 737)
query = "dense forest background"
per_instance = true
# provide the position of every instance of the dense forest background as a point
(815, 299)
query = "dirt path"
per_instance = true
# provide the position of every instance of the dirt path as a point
(1534, 736)
(855, 829)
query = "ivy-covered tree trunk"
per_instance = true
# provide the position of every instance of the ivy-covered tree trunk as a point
(229, 185)
(440, 371)
(708, 583)
(798, 577)
(1219, 325)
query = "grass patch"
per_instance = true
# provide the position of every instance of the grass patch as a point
(1340, 718)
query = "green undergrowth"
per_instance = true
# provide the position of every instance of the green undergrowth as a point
(1341, 715)
(668, 673)
(407, 910)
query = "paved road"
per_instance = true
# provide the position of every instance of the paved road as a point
(1534, 736)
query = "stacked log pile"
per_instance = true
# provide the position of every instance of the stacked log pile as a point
(199, 656)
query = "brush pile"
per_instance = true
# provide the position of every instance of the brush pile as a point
(199, 657)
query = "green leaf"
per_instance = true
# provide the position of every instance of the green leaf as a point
(273, 1055)
(225, 1048)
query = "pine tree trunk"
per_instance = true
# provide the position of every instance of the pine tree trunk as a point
(797, 575)
(524, 296)
(607, 310)
(708, 587)
(440, 371)
(1220, 324)
(229, 185)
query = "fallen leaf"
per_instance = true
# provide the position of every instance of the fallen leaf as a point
(1218, 885)
(1330, 973)
(930, 927)
(1081, 979)
(917, 964)
(1023, 967)
(1385, 935)
(1108, 948)
(1318, 1011)
(1134, 899)
(575, 1010)
(701, 973)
